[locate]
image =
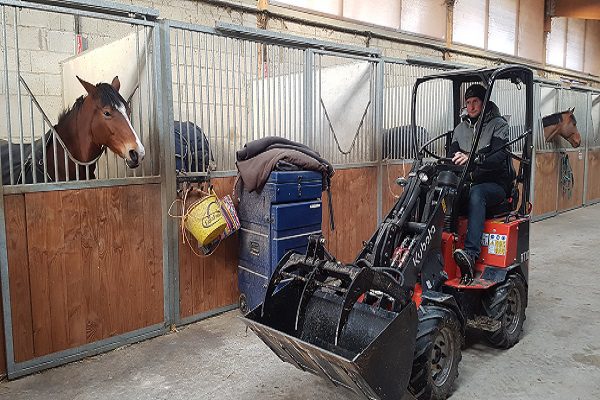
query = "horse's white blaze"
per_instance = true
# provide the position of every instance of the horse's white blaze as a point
(141, 150)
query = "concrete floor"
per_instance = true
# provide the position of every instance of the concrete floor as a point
(558, 357)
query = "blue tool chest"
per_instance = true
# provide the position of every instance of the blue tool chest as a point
(278, 219)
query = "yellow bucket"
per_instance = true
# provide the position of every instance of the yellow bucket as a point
(204, 220)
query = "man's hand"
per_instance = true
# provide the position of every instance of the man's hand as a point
(460, 158)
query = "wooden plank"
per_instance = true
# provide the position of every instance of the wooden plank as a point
(74, 277)
(93, 243)
(18, 270)
(567, 201)
(225, 260)
(593, 182)
(48, 293)
(131, 277)
(153, 267)
(546, 183)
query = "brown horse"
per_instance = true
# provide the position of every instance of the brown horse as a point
(96, 121)
(563, 124)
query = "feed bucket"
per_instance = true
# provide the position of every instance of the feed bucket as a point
(204, 219)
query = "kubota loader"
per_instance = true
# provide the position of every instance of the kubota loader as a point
(391, 324)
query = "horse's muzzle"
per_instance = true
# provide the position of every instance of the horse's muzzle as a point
(134, 160)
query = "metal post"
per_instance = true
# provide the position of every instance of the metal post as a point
(308, 117)
(164, 115)
(378, 102)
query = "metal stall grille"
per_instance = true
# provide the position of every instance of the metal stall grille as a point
(433, 113)
(594, 131)
(569, 98)
(39, 60)
(511, 100)
(548, 104)
(227, 92)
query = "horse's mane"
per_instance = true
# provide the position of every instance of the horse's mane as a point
(556, 118)
(108, 97)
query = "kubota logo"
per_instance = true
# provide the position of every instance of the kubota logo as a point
(213, 212)
(423, 246)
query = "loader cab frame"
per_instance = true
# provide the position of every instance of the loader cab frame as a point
(522, 78)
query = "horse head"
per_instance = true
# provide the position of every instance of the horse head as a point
(563, 124)
(108, 116)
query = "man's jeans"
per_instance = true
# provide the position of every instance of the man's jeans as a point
(481, 196)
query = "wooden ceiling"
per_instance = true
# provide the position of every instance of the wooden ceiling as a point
(583, 9)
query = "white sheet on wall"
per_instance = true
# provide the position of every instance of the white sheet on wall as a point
(346, 93)
(102, 64)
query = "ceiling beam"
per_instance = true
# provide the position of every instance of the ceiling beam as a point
(584, 9)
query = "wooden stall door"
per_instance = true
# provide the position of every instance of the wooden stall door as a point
(545, 201)
(593, 182)
(208, 283)
(84, 265)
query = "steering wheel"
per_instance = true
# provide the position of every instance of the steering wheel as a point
(440, 159)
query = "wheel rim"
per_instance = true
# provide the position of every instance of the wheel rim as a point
(513, 311)
(442, 357)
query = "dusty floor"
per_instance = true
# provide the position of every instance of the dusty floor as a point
(558, 357)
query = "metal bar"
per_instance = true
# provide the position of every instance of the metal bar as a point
(239, 74)
(270, 37)
(44, 155)
(207, 314)
(33, 160)
(182, 146)
(214, 83)
(188, 167)
(5, 282)
(227, 104)
(205, 163)
(72, 185)
(262, 82)
(248, 99)
(150, 91)
(78, 353)
(207, 127)
(102, 9)
(267, 75)
(221, 97)
(379, 101)
(193, 69)
(139, 78)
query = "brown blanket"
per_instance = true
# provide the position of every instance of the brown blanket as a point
(255, 171)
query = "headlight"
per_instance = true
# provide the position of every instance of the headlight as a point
(423, 177)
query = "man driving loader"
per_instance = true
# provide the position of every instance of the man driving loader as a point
(490, 180)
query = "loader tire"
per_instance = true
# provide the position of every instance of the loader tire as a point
(506, 303)
(437, 354)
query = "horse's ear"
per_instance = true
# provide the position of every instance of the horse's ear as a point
(91, 89)
(116, 83)
(572, 109)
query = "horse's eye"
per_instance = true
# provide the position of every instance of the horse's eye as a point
(106, 114)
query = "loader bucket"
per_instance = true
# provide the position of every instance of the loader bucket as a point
(375, 351)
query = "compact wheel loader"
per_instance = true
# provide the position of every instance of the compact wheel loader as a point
(391, 324)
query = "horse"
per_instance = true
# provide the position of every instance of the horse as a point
(96, 121)
(564, 124)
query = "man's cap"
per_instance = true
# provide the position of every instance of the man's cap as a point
(476, 90)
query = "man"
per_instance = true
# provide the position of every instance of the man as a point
(491, 179)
